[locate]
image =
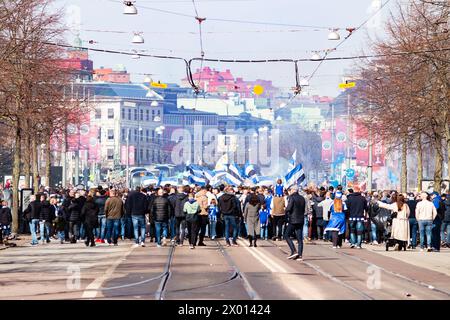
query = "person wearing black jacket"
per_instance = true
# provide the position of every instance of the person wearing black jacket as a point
(137, 205)
(446, 222)
(74, 211)
(177, 202)
(5, 221)
(32, 215)
(295, 213)
(357, 207)
(413, 224)
(89, 218)
(100, 200)
(228, 210)
(161, 212)
(66, 214)
(46, 217)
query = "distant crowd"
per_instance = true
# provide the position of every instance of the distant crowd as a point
(173, 214)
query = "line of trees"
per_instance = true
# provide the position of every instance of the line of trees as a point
(405, 97)
(34, 103)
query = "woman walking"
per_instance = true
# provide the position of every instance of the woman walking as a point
(400, 222)
(251, 218)
(89, 217)
(191, 209)
(336, 225)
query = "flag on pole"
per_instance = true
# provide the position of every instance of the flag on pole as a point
(236, 172)
(295, 176)
(250, 173)
(222, 163)
(293, 160)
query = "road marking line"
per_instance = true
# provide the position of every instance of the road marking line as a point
(264, 259)
(91, 290)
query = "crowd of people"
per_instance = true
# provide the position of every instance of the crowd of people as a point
(172, 214)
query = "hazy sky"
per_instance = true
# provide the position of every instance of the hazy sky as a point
(169, 34)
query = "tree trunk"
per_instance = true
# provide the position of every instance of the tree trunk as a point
(438, 161)
(16, 178)
(34, 164)
(447, 138)
(27, 160)
(48, 161)
(419, 162)
(404, 171)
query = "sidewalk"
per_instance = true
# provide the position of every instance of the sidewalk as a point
(436, 261)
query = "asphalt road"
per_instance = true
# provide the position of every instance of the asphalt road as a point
(73, 271)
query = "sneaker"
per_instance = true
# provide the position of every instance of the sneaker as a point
(98, 241)
(429, 249)
(234, 244)
(293, 256)
(352, 246)
(191, 247)
(142, 244)
(421, 249)
(103, 241)
(228, 244)
(358, 247)
(158, 246)
(299, 258)
(375, 242)
(135, 245)
(334, 247)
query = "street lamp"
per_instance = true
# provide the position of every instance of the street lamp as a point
(137, 38)
(333, 35)
(129, 8)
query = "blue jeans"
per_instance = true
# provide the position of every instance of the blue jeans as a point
(445, 227)
(212, 229)
(356, 231)
(230, 221)
(82, 231)
(305, 227)
(373, 231)
(126, 224)
(158, 227)
(264, 233)
(172, 229)
(139, 225)
(425, 227)
(112, 230)
(101, 230)
(436, 234)
(61, 236)
(45, 231)
(297, 229)
(33, 227)
(413, 226)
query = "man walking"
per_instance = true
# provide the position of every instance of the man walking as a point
(295, 212)
(137, 205)
(425, 214)
(161, 212)
(113, 213)
(357, 206)
(227, 209)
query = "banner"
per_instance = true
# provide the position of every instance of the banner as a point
(78, 132)
(326, 146)
(123, 155)
(340, 138)
(94, 145)
(378, 152)
(362, 146)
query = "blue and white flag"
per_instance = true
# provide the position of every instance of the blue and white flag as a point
(236, 172)
(173, 181)
(293, 160)
(266, 181)
(208, 174)
(217, 178)
(159, 180)
(197, 180)
(250, 173)
(295, 176)
(231, 179)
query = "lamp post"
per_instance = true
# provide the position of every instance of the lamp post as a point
(128, 159)
(369, 167)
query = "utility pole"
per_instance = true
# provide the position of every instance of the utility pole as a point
(369, 167)
(128, 159)
(332, 141)
(348, 131)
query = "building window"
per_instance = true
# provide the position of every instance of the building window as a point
(135, 115)
(153, 135)
(153, 115)
(147, 154)
(123, 113)
(147, 115)
(141, 154)
(110, 154)
(99, 137)
(110, 134)
(129, 114)
(110, 113)
(141, 135)
(141, 115)
(147, 135)
(135, 135)
(123, 134)
(98, 113)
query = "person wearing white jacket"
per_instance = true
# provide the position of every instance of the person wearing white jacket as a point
(425, 214)
(326, 206)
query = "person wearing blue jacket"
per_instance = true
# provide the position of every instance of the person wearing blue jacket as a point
(213, 213)
(264, 214)
(337, 224)
(437, 222)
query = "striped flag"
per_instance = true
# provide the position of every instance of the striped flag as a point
(293, 160)
(295, 176)
(250, 173)
(236, 172)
